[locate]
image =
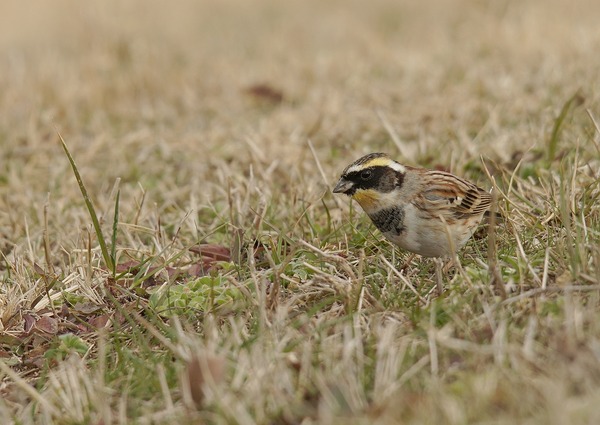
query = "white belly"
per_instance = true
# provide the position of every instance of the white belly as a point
(430, 237)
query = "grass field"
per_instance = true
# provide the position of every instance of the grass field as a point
(224, 283)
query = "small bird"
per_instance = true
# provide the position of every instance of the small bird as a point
(427, 212)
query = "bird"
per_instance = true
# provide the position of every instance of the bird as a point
(427, 212)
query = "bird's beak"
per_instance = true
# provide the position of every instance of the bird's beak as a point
(342, 186)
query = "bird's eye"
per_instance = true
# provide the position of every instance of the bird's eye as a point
(366, 174)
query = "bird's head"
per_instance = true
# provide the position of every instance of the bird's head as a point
(369, 178)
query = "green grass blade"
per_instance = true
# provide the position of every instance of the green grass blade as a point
(107, 258)
(113, 247)
(573, 101)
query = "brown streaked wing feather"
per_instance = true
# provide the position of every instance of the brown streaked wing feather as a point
(476, 201)
(453, 196)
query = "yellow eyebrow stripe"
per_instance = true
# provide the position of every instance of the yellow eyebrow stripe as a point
(377, 162)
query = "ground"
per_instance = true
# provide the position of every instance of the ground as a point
(201, 270)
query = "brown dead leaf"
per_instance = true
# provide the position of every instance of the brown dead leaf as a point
(29, 322)
(132, 266)
(86, 307)
(47, 325)
(198, 270)
(37, 362)
(264, 92)
(64, 311)
(99, 322)
(79, 327)
(174, 273)
(209, 253)
(212, 252)
(34, 358)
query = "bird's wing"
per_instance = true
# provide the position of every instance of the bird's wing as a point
(452, 197)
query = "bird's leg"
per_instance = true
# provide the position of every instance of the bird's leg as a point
(448, 266)
(406, 264)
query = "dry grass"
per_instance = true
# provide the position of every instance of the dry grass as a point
(205, 116)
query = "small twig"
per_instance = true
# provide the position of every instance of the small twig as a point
(494, 273)
(403, 279)
(511, 181)
(177, 351)
(48, 284)
(589, 112)
(551, 290)
(273, 296)
(388, 127)
(140, 205)
(524, 256)
(334, 258)
(439, 281)
(320, 168)
(545, 272)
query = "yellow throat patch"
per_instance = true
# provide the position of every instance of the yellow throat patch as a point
(367, 199)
